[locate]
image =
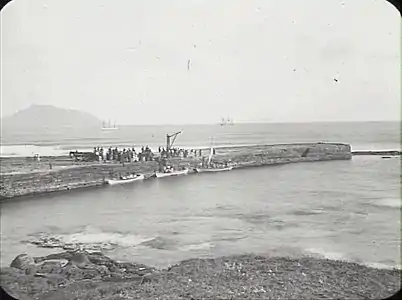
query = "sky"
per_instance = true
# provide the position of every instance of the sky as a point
(196, 61)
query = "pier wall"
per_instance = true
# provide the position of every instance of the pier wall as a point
(73, 177)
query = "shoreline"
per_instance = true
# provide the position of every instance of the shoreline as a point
(83, 275)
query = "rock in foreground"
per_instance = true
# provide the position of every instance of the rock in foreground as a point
(76, 276)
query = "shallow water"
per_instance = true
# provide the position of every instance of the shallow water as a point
(338, 209)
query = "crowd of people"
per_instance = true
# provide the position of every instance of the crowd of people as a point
(124, 155)
(179, 152)
(146, 154)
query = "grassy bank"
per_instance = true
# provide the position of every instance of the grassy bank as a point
(95, 276)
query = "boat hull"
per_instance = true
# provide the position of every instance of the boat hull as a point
(109, 129)
(122, 181)
(213, 170)
(176, 173)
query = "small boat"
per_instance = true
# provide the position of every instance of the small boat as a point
(126, 179)
(171, 173)
(210, 167)
(204, 170)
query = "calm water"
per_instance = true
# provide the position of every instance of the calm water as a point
(362, 136)
(342, 209)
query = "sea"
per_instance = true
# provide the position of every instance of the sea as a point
(348, 210)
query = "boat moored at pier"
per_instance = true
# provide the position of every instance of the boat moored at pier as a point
(169, 173)
(207, 170)
(126, 179)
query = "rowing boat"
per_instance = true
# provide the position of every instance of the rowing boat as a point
(204, 170)
(126, 179)
(173, 173)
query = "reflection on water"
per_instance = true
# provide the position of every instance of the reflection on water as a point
(341, 209)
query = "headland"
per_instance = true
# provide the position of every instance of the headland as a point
(26, 176)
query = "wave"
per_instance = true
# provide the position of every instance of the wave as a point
(121, 240)
(309, 212)
(388, 202)
(325, 254)
(159, 243)
(321, 253)
(382, 266)
(376, 147)
(195, 247)
(30, 151)
(88, 239)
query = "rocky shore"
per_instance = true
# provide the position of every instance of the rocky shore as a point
(23, 176)
(83, 275)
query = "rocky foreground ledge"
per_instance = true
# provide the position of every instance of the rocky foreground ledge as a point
(94, 276)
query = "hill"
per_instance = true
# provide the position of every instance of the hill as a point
(50, 118)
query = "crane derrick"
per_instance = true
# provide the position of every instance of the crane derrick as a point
(170, 139)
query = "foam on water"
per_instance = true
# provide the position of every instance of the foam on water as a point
(30, 150)
(383, 266)
(321, 253)
(389, 202)
(89, 236)
(160, 243)
(201, 246)
(121, 240)
(376, 147)
(326, 254)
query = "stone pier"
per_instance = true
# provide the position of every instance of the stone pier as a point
(67, 175)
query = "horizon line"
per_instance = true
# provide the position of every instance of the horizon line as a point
(262, 122)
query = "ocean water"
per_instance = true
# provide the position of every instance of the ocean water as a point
(346, 210)
(362, 136)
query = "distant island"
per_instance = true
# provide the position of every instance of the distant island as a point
(47, 117)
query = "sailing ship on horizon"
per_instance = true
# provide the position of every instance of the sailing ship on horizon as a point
(228, 121)
(108, 126)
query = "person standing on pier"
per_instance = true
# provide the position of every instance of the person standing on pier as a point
(110, 153)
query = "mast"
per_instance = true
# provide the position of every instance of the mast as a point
(211, 152)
